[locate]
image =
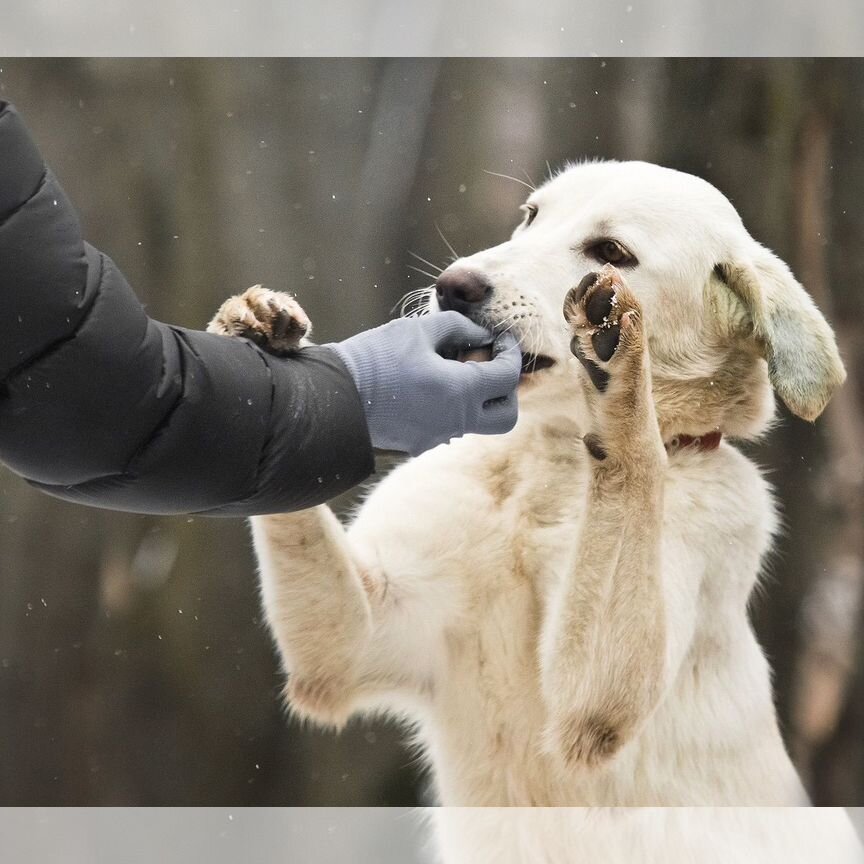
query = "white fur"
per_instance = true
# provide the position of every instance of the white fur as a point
(645, 835)
(441, 601)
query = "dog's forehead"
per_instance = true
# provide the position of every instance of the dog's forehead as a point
(631, 191)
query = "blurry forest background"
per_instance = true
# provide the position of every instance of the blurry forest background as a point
(134, 666)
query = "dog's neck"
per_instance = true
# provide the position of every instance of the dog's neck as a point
(547, 400)
(706, 442)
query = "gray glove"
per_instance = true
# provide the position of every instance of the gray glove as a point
(415, 398)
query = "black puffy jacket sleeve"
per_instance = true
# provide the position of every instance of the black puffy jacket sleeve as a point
(101, 405)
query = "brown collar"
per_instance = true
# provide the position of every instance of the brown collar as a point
(708, 441)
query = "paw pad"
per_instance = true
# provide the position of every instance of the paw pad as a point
(599, 377)
(598, 310)
(605, 341)
(599, 304)
(578, 292)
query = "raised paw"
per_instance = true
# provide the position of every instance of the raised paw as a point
(271, 319)
(606, 322)
(608, 339)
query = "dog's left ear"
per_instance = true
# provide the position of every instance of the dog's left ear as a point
(803, 362)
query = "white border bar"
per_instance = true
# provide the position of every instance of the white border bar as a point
(363, 28)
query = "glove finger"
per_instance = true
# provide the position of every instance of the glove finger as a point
(503, 342)
(417, 448)
(496, 417)
(454, 332)
(496, 378)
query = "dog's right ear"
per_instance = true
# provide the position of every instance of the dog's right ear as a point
(803, 362)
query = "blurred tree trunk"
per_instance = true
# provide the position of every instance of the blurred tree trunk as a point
(830, 687)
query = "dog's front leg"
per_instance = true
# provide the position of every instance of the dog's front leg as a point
(337, 624)
(604, 647)
(316, 608)
(345, 638)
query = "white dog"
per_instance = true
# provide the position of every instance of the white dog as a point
(561, 612)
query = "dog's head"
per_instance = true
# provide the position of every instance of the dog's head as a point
(725, 317)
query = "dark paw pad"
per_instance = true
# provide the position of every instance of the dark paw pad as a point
(587, 281)
(599, 377)
(605, 341)
(598, 306)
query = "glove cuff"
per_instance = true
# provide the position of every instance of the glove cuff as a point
(375, 370)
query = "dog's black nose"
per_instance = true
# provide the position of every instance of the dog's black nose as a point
(461, 289)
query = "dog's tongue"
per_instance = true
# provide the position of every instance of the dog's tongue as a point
(476, 355)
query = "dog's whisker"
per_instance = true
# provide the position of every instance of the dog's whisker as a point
(508, 177)
(417, 305)
(417, 312)
(398, 306)
(526, 336)
(425, 295)
(548, 170)
(447, 243)
(416, 292)
(407, 307)
(533, 184)
(520, 340)
(506, 319)
(424, 272)
(429, 263)
(415, 298)
(535, 331)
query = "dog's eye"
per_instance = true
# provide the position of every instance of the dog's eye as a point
(611, 252)
(530, 211)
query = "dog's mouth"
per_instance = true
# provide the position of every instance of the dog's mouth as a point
(532, 363)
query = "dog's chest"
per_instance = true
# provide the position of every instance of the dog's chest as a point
(489, 709)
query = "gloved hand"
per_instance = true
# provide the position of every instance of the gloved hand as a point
(414, 398)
